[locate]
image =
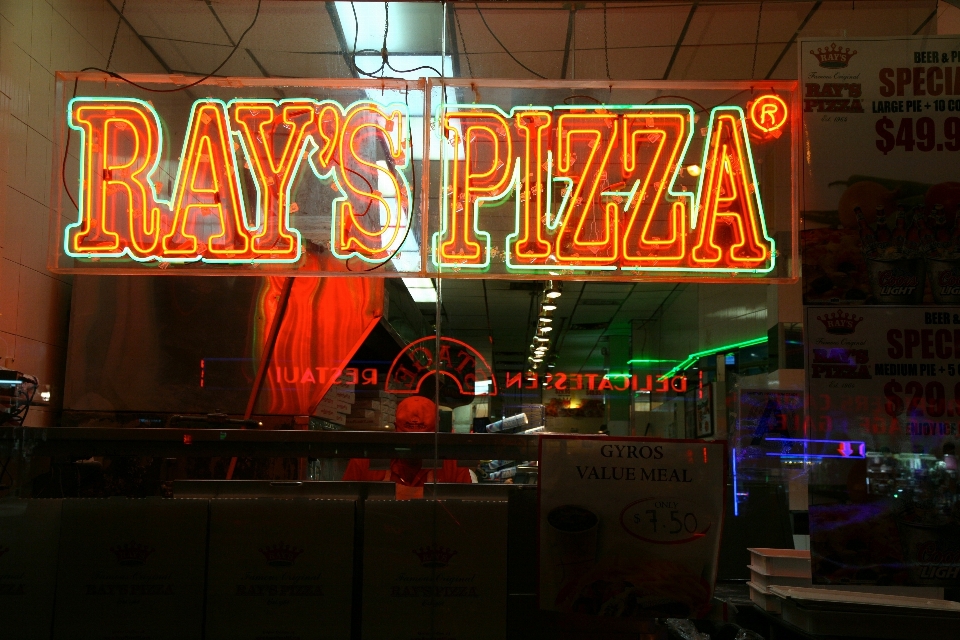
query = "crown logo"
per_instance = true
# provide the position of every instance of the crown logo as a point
(434, 555)
(833, 57)
(131, 554)
(840, 323)
(280, 554)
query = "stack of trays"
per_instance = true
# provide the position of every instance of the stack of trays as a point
(776, 567)
(866, 615)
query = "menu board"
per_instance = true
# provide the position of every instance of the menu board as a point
(435, 569)
(881, 122)
(280, 569)
(131, 569)
(29, 532)
(629, 527)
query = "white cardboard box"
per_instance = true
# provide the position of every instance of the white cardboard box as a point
(131, 568)
(280, 568)
(29, 534)
(435, 569)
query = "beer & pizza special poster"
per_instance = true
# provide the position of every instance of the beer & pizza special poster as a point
(881, 170)
(883, 399)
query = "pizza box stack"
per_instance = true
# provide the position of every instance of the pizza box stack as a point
(776, 567)
(337, 404)
(373, 411)
(790, 568)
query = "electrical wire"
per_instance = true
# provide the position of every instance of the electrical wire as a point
(113, 74)
(116, 32)
(66, 153)
(463, 42)
(756, 42)
(606, 51)
(507, 51)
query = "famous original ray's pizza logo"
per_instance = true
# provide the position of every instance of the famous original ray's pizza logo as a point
(434, 555)
(280, 554)
(833, 57)
(587, 187)
(132, 554)
(840, 323)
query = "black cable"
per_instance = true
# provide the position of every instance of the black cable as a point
(507, 51)
(413, 195)
(66, 153)
(192, 84)
(116, 32)
(463, 42)
(606, 51)
(356, 37)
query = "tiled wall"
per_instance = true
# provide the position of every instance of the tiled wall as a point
(38, 38)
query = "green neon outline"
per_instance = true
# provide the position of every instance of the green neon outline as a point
(407, 143)
(307, 149)
(81, 200)
(307, 139)
(693, 357)
(756, 195)
(484, 236)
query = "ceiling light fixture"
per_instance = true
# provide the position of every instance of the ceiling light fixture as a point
(545, 320)
(549, 307)
(546, 329)
(537, 359)
(541, 339)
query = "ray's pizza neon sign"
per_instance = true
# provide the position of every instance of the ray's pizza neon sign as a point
(592, 188)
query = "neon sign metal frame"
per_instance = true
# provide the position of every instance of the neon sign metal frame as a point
(556, 166)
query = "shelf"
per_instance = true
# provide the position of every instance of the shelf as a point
(175, 442)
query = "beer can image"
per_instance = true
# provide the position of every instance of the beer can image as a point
(944, 280)
(931, 553)
(897, 281)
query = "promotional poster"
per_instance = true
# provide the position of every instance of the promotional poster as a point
(629, 527)
(881, 190)
(884, 383)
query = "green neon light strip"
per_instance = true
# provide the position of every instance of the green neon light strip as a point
(650, 361)
(693, 357)
(617, 375)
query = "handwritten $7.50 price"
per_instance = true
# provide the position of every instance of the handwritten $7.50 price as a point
(665, 520)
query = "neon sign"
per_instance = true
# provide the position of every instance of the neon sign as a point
(122, 215)
(455, 359)
(596, 188)
(642, 190)
(562, 381)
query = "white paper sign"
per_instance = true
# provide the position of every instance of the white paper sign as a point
(629, 527)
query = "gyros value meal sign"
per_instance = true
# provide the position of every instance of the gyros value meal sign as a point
(396, 178)
(629, 527)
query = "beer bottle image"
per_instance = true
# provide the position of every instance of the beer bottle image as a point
(928, 238)
(941, 228)
(868, 239)
(913, 232)
(882, 230)
(900, 230)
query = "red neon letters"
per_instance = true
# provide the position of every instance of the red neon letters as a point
(597, 188)
(592, 188)
(205, 218)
